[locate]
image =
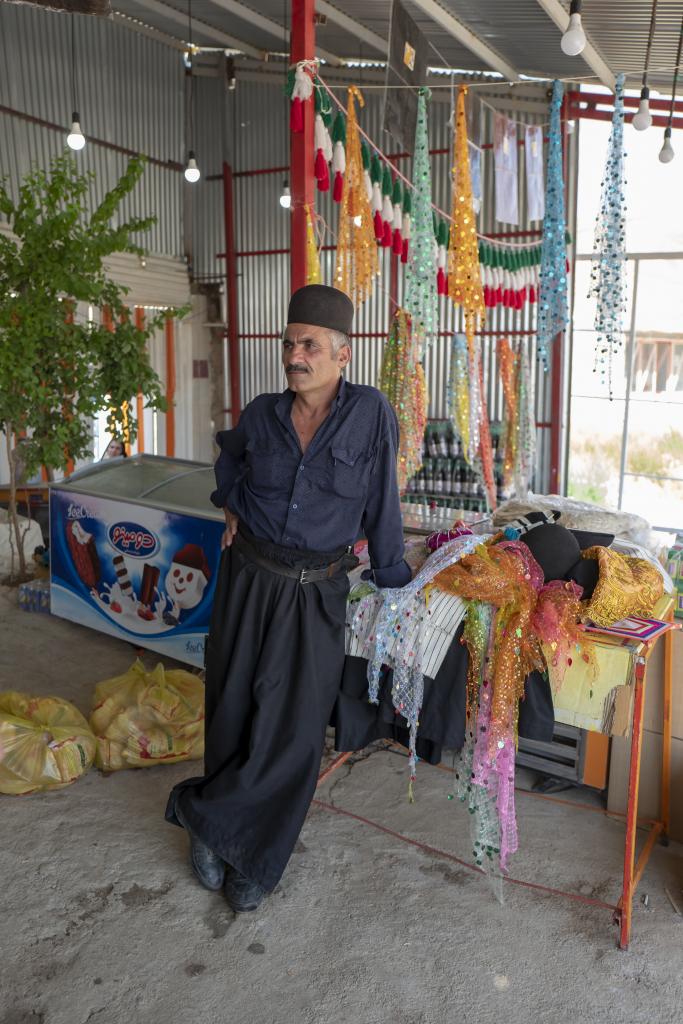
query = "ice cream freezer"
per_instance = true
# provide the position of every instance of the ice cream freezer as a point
(134, 552)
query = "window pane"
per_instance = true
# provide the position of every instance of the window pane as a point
(652, 189)
(661, 503)
(595, 449)
(586, 382)
(583, 315)
(655, 423)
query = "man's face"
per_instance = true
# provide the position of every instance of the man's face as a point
(308, 359)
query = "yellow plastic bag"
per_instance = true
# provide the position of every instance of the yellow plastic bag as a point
(45, 743)
(145, 718)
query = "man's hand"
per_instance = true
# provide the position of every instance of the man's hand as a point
(231, 524)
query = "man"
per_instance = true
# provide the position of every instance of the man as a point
(300, 477)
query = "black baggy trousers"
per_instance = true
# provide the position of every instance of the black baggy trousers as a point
(275, 658)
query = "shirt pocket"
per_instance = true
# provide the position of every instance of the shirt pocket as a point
(350, 472)
(268, 463)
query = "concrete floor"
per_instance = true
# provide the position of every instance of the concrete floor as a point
(102, 920)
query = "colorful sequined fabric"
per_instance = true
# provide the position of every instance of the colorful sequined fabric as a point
(626, 586)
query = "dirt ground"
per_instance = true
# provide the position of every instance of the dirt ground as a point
(102, 920)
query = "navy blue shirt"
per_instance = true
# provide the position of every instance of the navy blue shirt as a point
(344, 485)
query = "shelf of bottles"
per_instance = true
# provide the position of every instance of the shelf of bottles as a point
(446, 480)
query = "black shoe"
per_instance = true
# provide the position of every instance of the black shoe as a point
(242, 894)
(208, 867)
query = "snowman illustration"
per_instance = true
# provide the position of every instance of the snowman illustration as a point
(185, 582)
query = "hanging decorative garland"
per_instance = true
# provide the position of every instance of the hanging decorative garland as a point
(313, 275)
(458, 389)
(552, 290)
(420, 286)
(322, 143)
(357, 262)
(299, 89)
(465, 289)
(526, 438)
(403, 382)
(608, 279)
(464, 276)
(406, 225)
(508, 364)
(338, 156)
(387, 208)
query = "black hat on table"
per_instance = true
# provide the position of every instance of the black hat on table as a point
(321, 306)
(558, 550)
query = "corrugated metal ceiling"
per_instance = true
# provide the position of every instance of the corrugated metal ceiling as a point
(519, 30)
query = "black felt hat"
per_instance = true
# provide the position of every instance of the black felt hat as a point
(555, 548)
(321, 306)
(586, 573)
(558, 550)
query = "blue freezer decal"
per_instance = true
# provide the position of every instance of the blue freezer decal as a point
(142, 574)
(132, 539)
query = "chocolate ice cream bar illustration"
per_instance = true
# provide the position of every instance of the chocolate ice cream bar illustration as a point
(122, 577)
(150, 578)
(84, 553)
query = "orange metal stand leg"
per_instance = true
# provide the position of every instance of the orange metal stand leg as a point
(632, 806)
(666, 731)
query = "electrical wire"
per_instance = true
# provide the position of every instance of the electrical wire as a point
(675, 81)
(651, 35)
(73, 63)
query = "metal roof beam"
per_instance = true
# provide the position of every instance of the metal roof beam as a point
(557, 13)
(267, 25)
(355, 28)
(468, 39)
(180, 18)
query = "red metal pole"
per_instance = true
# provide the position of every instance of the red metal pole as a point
(140, 402)
(302, 47)
(169, 334)
(231, 294)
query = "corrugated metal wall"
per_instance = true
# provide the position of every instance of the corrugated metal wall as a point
(129, 91)
(253, 136)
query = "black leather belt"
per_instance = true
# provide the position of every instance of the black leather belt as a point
(347, 562)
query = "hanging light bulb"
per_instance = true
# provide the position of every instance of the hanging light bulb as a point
(286, 196)
(642, 119)
(666, 153)
(574, 39)
(358, 220)
(192, 172)
(75, 139)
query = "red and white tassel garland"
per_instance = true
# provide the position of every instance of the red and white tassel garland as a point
(321, 135)
(338, 169)
(405, 234)
(302, 91)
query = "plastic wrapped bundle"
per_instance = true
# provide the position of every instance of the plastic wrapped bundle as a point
(145, 718)
(45, 743)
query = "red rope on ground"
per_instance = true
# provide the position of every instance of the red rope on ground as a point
(435, 851)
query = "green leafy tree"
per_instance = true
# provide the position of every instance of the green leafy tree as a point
(58, 370)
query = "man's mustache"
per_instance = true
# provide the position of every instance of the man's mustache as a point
(294, 368)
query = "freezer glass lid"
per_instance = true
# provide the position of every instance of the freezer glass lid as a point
(143, 477)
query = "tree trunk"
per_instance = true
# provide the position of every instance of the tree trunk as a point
(12, 512)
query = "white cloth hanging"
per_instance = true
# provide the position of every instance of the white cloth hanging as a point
(535, 189)
(505, 159)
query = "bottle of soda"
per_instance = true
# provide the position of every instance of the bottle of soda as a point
(456, 483)
(429, 476)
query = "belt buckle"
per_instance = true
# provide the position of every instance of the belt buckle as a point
(302, 576)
